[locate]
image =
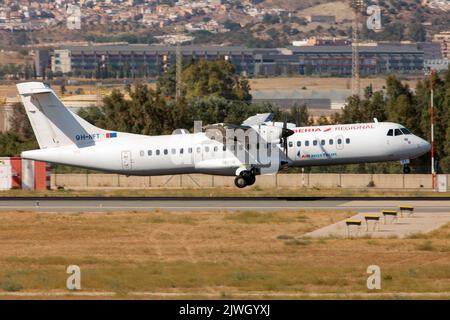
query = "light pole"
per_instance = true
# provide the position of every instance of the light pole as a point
(433, 169)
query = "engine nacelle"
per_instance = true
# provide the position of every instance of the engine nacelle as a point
(281, 125)
(273, 132)
(270, 134)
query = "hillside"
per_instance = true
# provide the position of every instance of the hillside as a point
(402, 20)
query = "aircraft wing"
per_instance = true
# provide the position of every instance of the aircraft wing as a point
(258, 119)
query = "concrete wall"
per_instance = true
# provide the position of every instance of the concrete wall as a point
(346, 181)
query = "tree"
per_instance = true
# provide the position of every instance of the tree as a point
(94, 115)
(63, 88)
(417, 32)
(299, 115)
(400, 103)
(166, 83)
(11, 144)
(117, 112)
(218, 78)
(22, 126)
(351, 113)
(20, 137)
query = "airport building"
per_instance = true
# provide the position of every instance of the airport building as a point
(119, 61)
(444, 39)
(146, 61)
(376, 58)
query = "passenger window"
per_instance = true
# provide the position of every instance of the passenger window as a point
(174, 151)
(390, 132)
(339, 141)
(405, 131)
(331, 142)
(398, 132)
(224, 148)
(190, 150)
(315, 142)
(216, 149)
(166, 151)
(181, 151)
(323, 142)
(149, 152)
(206, 149)
(291, 144)
(199, 149)
(347, 141)
(158, 152)
(307, 143)
(299, 143)
(142, 153)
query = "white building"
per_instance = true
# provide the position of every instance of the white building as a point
(73, 17)
(61, 61)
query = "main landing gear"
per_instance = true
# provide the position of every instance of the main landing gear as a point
(244, 179)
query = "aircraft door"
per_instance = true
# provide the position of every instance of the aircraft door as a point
(298, 150)
(340, 142)
(198, 152)
(126, 160)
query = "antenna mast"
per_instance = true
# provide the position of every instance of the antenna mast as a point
(179, 71)
(356, 83)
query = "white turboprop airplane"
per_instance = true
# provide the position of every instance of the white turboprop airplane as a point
(65, 138)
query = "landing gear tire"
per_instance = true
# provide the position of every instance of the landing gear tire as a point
(240, 182)
(250, 180)
(406, 169)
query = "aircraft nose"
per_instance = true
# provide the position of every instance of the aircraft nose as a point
(424, 146)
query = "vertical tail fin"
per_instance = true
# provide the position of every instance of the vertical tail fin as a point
(53, 124)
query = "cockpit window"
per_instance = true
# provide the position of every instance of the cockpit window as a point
(405, 131)
(390, 132)
(398, 132)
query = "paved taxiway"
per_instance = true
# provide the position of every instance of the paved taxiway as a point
(362, 205)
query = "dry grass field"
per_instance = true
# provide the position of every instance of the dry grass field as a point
(210, 253)
(11, 91)
(340, 9)
(316, 83)
(254, 191)
(7, 57)
(279, 83)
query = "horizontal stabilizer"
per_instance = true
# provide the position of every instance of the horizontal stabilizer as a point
(30, 88)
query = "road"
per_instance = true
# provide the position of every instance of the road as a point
(90, 204)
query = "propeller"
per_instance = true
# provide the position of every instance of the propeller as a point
(285, 133)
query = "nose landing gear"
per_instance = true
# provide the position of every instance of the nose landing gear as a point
(406, 167)
(244, 179)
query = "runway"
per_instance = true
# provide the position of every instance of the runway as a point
(99, 204)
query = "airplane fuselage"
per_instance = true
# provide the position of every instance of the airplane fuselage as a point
(132, 154)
